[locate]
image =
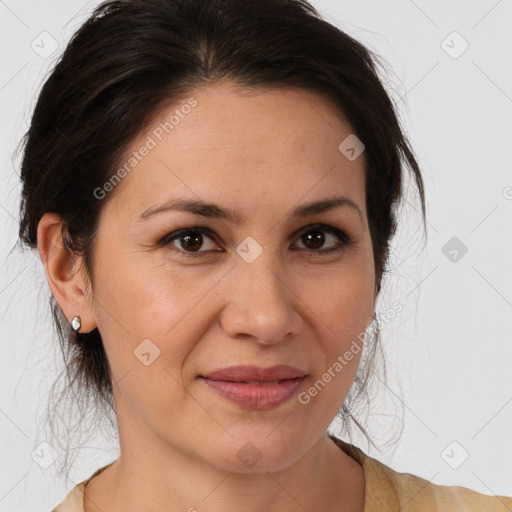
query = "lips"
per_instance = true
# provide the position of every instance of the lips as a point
(252, 387)
(256, 375)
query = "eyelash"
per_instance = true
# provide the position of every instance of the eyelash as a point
(345, 240)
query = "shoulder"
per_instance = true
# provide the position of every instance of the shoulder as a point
(390, 490)
(413, 493)
(74, 500)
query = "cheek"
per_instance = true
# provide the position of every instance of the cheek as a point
(343, 300)
(149, 323)
(343, 312)
(142, 309)
(161, 317)
(343, 309)
(142, 296)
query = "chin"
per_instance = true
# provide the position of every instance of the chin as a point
(258, 453)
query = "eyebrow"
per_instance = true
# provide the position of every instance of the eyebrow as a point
(212, 210)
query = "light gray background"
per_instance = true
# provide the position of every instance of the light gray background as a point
(449, 350)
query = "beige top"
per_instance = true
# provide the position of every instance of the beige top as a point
(385, 491)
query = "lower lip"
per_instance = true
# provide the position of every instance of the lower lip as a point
(256, 396)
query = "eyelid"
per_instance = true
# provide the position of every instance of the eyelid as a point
(341, 234)
(166, 240)
(345, 239)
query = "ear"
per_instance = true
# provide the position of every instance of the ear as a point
(68, 286)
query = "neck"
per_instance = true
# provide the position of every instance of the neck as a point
(152, 475)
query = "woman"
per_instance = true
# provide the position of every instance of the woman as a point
(212, 186)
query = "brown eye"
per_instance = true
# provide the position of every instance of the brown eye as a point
(315, 237)
(190, 240)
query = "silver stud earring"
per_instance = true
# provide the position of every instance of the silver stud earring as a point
(76, 323)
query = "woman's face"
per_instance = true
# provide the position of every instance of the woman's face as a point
(248, 290)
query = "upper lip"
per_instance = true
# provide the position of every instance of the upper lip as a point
(255, 373)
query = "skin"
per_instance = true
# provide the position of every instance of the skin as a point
(261, 152)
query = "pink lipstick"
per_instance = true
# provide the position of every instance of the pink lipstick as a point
(252, 387)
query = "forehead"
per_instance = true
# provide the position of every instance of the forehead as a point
(246, 146)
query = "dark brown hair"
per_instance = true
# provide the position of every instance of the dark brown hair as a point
(133, 58)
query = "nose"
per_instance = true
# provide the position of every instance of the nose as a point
(261, 305)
